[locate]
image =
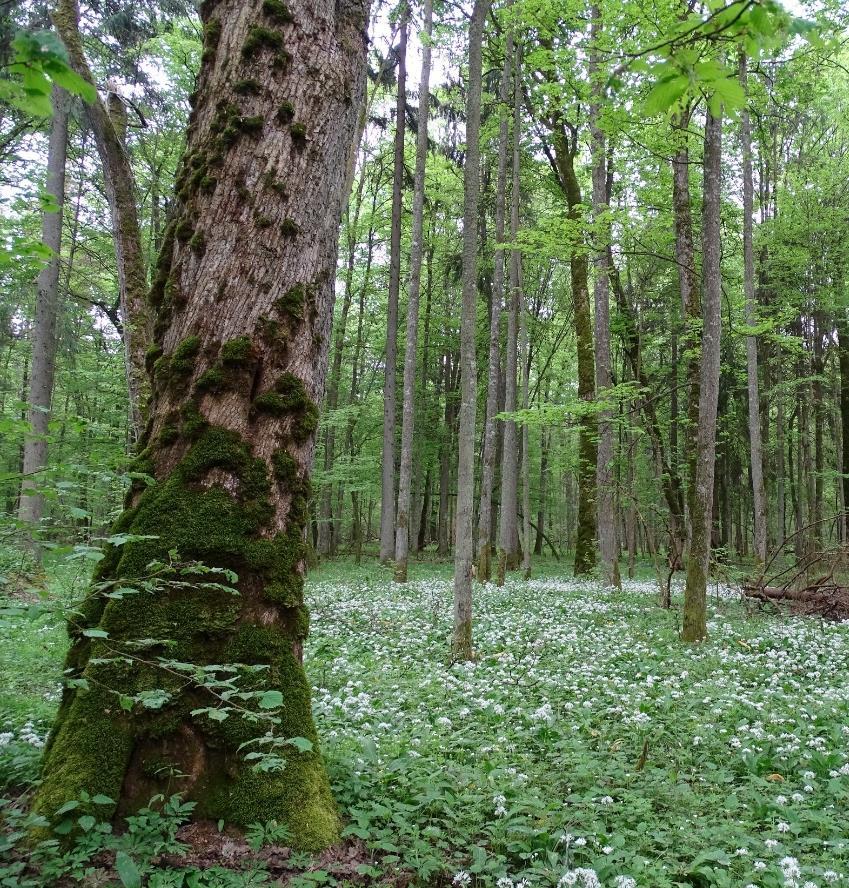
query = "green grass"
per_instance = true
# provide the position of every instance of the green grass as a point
(585, 742)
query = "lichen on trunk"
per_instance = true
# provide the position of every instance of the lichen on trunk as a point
(243, 294)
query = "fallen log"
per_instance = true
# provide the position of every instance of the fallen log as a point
(824, 598)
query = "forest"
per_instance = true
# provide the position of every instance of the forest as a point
(424, 443)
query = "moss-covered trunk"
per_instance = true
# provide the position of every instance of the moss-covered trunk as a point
(243, 298)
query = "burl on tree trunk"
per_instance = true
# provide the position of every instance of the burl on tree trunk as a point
(243, 297)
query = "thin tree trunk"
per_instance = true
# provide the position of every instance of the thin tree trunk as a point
(688, 285)
(44, 329)
(508, 530)
(387, 497)
(755, 448)
(698, 561)
(524, 351)
(843, 360)
(405, 474)
(230, 444)
(464, 531)
(121, 195)
(606, 506)
(490, 444)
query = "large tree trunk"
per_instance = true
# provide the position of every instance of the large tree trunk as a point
(44, 330)
(701, 517)
(405, 473)
(387, 489)
(755, 448)
(244, 291)
(464, 531)
(606, 504)
(490, 445)
(121, 194)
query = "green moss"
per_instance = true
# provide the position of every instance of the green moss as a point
(151, 356)
(212, 380)
(163, 267)
(262, 222)
(298, 131)
(167, 436)
(292, 302)
(271, 403)
(281, 61)
(237, 352)
(198, 242)
(284, 466)
(211, 38)
(162, 368)
(306, 424)
(289, 228)
(247, 87)
(277, 11)
(193, 423)
(184, 230)
(286, 112)
(260, 38)
(182, 358)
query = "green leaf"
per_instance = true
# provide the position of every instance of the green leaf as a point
(665, 94)
(127, 871)
(271, 700)
(95, 633)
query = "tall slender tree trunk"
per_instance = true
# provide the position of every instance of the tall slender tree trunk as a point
(606, 504)
(230, 445)
(464, 531)
(109, 129)
(701, 518)
(327, 539)
(524, 351)
(405, 474)
(490, 444)
(688, 285)
(843, 360)
(387, 497)
(755, 448)
(44, 330)
(508, 530)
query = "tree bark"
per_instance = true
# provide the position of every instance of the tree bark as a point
(843, 361)
(508, 529)
(688, 285)
(405, 474)
(701, 517)
(464, 531)
(248, 267)
(121, 196)
(387, 496)
(44, 329)
(606, 506)
(755, 448)
(489, 440)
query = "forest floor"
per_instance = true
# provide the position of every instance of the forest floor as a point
(584, 743)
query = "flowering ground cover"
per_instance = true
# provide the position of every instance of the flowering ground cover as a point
(585, 746)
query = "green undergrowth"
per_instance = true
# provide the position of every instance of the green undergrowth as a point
(585, 738)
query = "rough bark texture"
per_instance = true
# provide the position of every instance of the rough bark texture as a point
(387, 495)
(607, 535)
(44, 328)
(489, 436)
(701, 518)
(121, 195)
(405, 473)
(464, 531)
(755, 448)
(244, 295)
